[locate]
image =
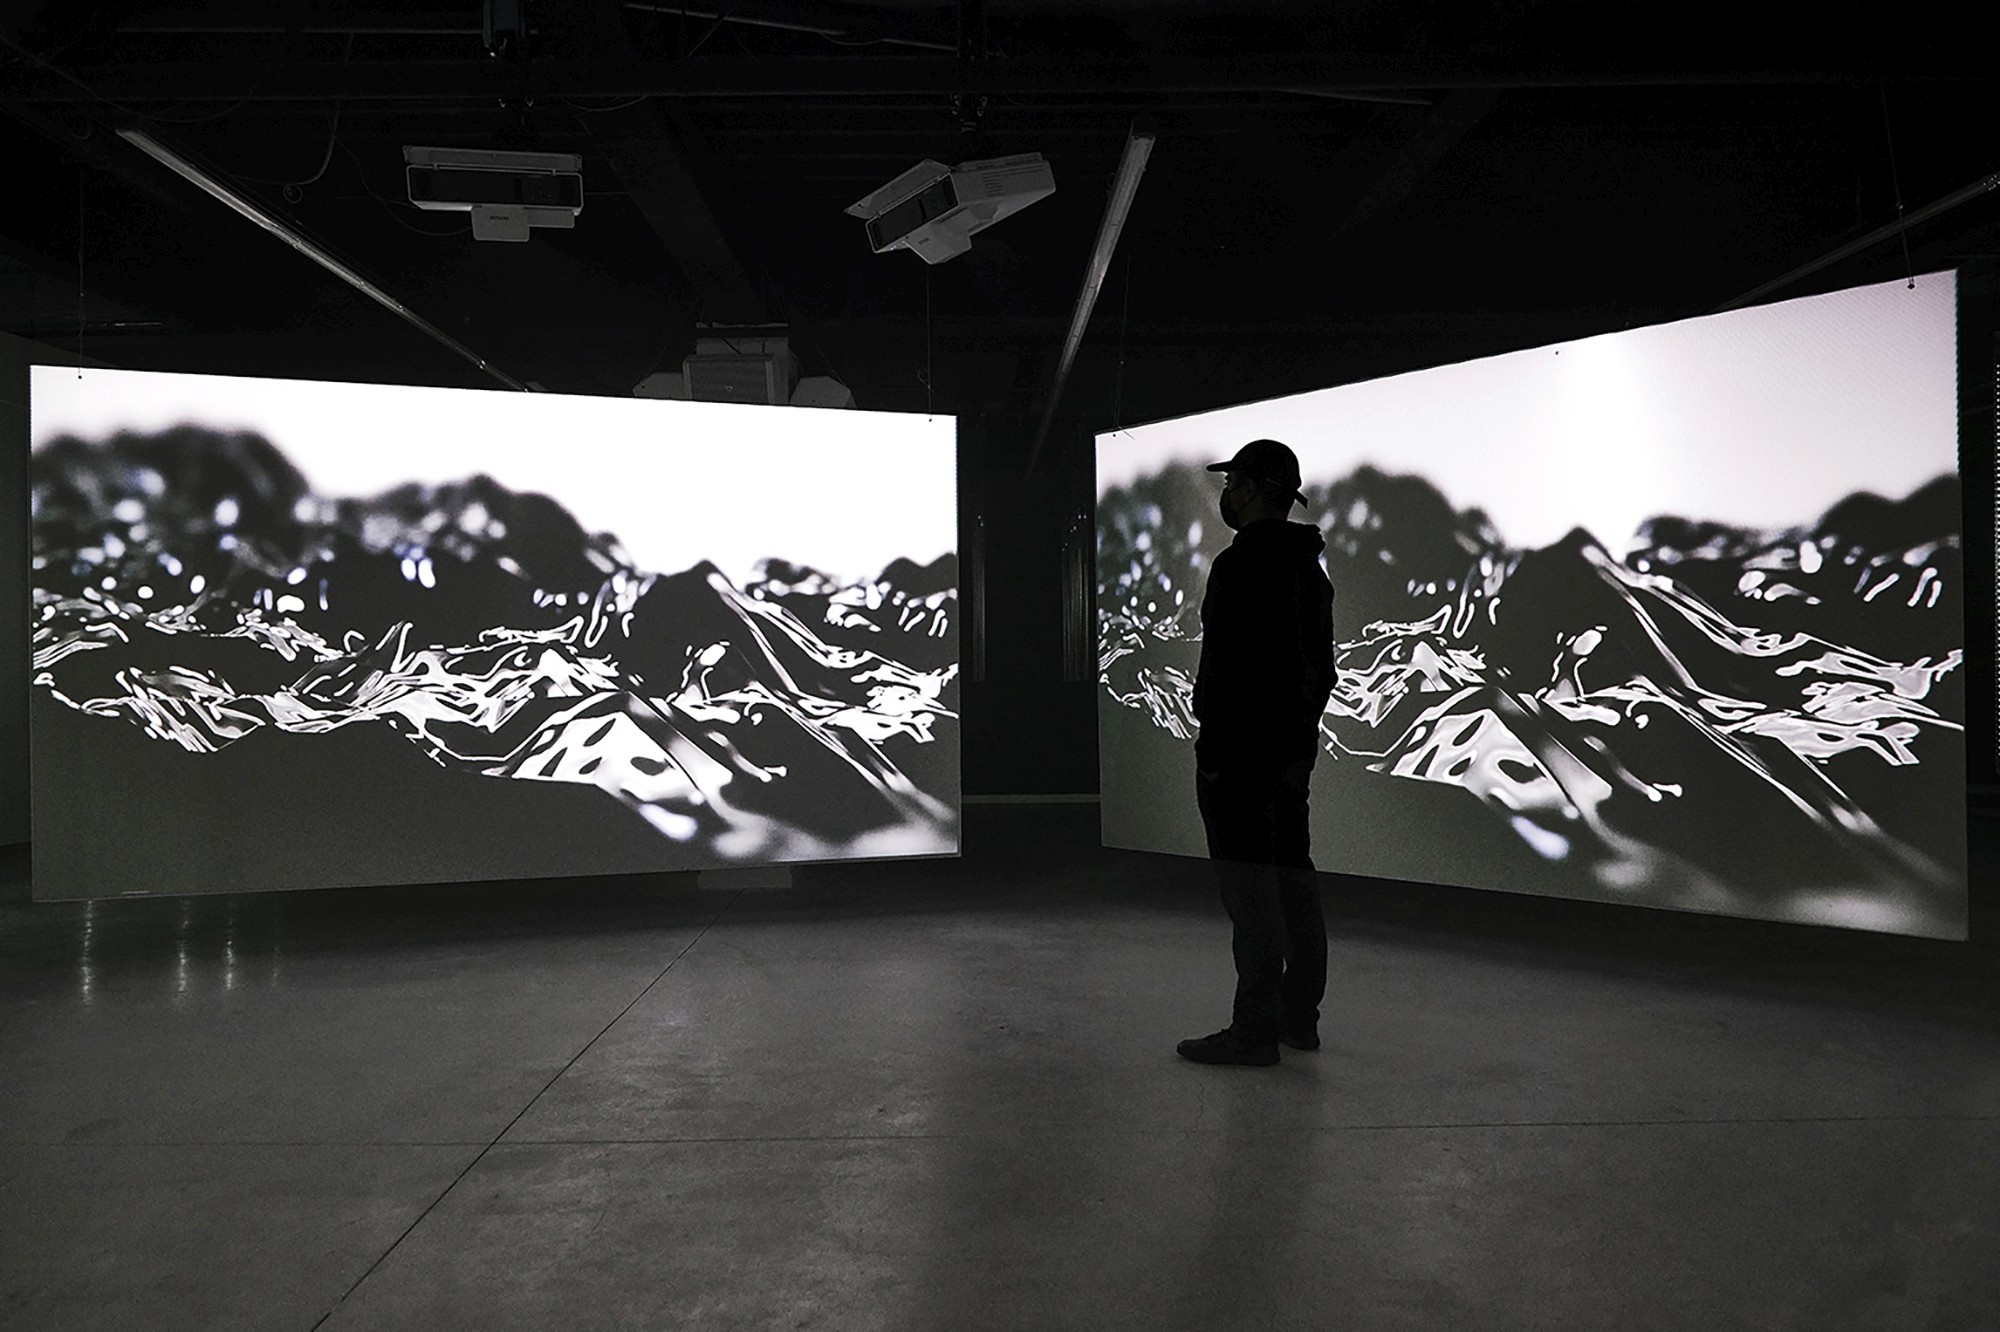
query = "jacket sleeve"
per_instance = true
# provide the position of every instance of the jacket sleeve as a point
(1316, 657)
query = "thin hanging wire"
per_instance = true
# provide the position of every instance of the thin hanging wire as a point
(79, 272)
(1895, 181)
(1118, 378)
(1079, 595)
(332, 136)
(929, 387)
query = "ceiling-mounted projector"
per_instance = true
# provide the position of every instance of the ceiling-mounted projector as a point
(507, 193)
(934, 210)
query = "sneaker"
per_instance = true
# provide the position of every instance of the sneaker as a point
(1225, 1047)
(1300, 1040)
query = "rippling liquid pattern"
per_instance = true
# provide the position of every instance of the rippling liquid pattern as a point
(190, 585)
(1676, 722)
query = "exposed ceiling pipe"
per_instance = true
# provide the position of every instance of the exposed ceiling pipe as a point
(970, 109)
(828, 76)
(260, 16)
(669, 177)
(971, 30)
(187, 170)
(780, 25)
(1984, 185)
(1138, 147)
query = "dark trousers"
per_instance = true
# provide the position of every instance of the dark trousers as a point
(1260, 844)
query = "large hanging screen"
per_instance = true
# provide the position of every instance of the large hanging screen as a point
(293, 634)
(1669, 616)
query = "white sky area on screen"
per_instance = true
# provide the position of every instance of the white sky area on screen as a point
(844, 491)
(1760, 418)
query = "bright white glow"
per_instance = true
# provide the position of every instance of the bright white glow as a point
(842, 490)
(1707, 418)
(1552, 845)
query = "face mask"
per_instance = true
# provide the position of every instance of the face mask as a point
(1232, 510)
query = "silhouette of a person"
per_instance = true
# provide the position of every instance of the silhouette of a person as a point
(1266, 672)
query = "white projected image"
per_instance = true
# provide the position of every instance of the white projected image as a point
(1669, 616)
(293, 633)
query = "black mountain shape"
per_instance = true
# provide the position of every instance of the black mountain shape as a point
(1872, 573)
(457, 595)
(1552, 593)
(678, 624)
(1862, 523)
(193, 469)
(1670, 538)
(1396, 547)
(1873, 524)
(1404, 510)
(793, 574)
(679, 613)
(921, 580)
(1653, 631)
(481, 517)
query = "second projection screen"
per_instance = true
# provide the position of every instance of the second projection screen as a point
(1669, 616)
(295, 634)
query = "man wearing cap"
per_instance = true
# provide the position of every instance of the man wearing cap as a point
(1266, 671)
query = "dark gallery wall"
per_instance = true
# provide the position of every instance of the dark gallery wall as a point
(13, 590)
(1979, 439)
(1030, 725)
(16, 355)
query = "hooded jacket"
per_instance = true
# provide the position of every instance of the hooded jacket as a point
(1266, 650)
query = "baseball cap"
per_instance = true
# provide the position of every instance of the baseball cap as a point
(1266, 460)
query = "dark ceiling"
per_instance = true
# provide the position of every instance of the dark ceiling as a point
(1338, 190)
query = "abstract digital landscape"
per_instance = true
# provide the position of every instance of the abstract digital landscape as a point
(1764, 723)
(1668, 616)
(191, 589)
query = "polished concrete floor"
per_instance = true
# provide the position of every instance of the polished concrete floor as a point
(944, 1095)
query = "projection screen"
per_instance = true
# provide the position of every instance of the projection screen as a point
(297, 634)
(1670, 616)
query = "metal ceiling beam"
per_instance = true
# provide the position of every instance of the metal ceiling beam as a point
(840, 76)
(662, 164)
(223, 194)
(799, 22)
(235, 17)
(1124, 186)
(1985, 185)
(261, 16)
(1438, 132)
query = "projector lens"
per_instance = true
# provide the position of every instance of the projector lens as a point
(940, 198)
